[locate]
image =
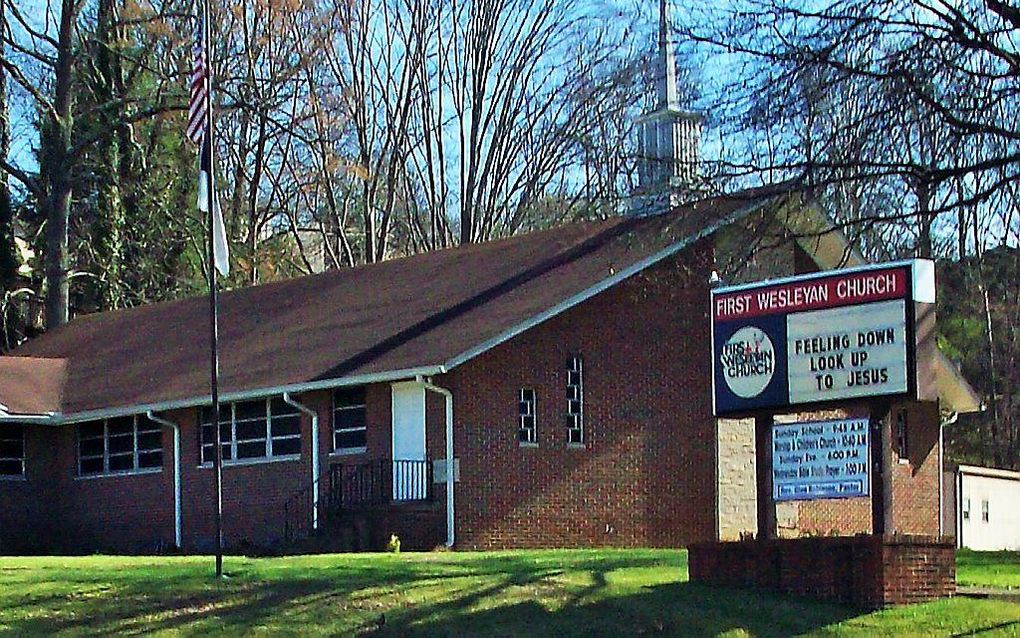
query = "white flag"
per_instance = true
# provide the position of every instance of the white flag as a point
(221, 251)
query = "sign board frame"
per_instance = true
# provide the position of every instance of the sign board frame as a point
(741, 315)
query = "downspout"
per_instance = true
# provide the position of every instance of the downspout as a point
(450, 529)
(942, 497)
(959, 508)
(177, 471)
(315, 454)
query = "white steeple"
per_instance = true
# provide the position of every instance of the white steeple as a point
(665, 77)
(668, 137)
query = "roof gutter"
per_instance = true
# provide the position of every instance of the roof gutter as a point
(47, 418)
(57, 418)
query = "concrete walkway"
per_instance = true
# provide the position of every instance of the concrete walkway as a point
(992, 593)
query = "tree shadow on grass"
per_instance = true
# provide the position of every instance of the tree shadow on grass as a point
(676, 609)
(328, 595)
(432, 595)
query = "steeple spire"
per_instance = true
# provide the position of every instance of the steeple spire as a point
(668, 158)
(666, 84)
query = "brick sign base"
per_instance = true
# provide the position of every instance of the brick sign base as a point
(870, 572)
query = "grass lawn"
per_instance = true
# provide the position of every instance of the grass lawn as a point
(553, 593)
(988, 569)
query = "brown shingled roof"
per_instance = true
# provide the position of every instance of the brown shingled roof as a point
(427, 310)
(31, 385)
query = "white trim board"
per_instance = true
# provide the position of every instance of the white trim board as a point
(227, 397)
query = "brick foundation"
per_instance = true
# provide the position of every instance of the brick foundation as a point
(866, 571)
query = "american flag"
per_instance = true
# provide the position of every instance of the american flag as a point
(198, 106)
(200, 132)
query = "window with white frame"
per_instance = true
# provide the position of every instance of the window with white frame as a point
(12, 450)
(261, 429)
(984, 511)
(528, 427)
(350, 420)
(966, 509)
(575, 400)
(121, 445)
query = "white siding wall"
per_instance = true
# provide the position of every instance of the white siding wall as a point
(1002, 494)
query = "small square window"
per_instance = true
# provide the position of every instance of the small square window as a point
(249, 411)
(349, 440)
(251, 450)
(122, 462)
(91, 466)
(285, 447)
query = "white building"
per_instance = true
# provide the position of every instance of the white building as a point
(988, 508)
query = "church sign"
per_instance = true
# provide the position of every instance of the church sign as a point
(815, 339)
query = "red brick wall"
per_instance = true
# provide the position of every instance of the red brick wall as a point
(253, 495)
(915, 487)
(109, 513)
(53, 509)
(915, 491)
(27, 514)
(646, 473)
(867, 571)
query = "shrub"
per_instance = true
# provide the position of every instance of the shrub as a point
(393, 546)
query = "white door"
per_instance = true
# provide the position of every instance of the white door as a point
(410, 475)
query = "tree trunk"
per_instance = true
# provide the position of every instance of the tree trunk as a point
(57, 210)
(111, 218)
(8, 257)
(923, 190)
(55, 143)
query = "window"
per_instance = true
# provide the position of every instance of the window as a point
(261, 429)
(119, 446)
(526, 410)
(12, 450)
(575, 401)
(984, 511)
(350, 423)
(966, 509)
(900, 434)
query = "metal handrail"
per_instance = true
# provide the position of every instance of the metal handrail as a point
(358, 486)
(378, 482)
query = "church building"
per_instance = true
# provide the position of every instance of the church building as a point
(547, 390)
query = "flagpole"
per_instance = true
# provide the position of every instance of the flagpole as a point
(213, 297)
